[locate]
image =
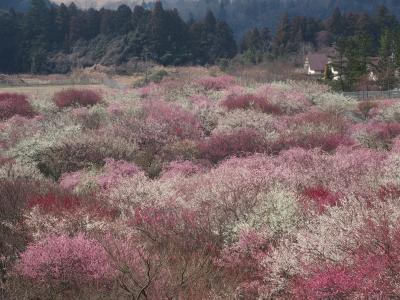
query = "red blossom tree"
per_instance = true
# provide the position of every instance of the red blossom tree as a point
(66, 261)
(72, 97)
(248, 101)
(222, 145)
(15, 104)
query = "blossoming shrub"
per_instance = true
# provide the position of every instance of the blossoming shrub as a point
(72, 156)
(169, 244)
(365, 108)
(14, 195)
(287, 99)
(327, 142)
(233, 102)
(67, 262)
(177, 121)
(224, 144)
(73, 97)
(177, 227)
(265, 124)
(114, 171)
(242, 263)
(60, 204)
(386, 111)
(15, 104)
(90, 118)
(216, 83)
(52, 203)
(335, 103)
(370, 273)
(193, 192)
(181, 168)
(320, 197)
(158, 270)
(377, 135)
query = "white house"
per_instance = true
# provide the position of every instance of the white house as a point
(315, 64)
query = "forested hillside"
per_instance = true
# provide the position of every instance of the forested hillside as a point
(56, 39)
(244, 14)
(19, 5)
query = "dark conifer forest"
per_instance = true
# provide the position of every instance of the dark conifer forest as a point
(28, 40)
(57, 38)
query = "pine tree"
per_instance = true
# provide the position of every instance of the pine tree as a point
(335, 24)
(92, 24)
(122, 19)
(225, 42)
(36, 30)
(396, 50)
(252, 46)
(282, 37)
(8, 42)
(386, 67)
(62, 26)
(357, 52)
(339, 62)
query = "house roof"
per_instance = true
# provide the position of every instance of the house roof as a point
(318, 61)
(374, 61)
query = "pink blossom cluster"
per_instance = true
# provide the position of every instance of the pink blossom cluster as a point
(202, 190)
(15, 104)
(63, 260)
(73, 97)
(178, 121)
(289, 100)
(250, 101)
(216, 83)
(115, 171)
(181, 168)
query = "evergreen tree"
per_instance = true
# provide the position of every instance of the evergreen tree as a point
(386, 67)
(282, 37)
(158, 31)
(339, 62)
(225, 42)
(335, 24)
(255, 44)
(357, 52)
(122, 20)
(266, 39)
(62, 26)
(8, 41)
(36, 33)
(396, 50)
(92, 24)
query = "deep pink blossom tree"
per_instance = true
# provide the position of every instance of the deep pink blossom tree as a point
(62, 260)
(216, 83)
(372, 272)
(248, 101)
(236, 143)
(177, 121)
(15, 104)
(320, 197)
(243, 263)
(72, 97)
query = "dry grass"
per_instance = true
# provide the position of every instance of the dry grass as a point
(268, 72)
(38, 91)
